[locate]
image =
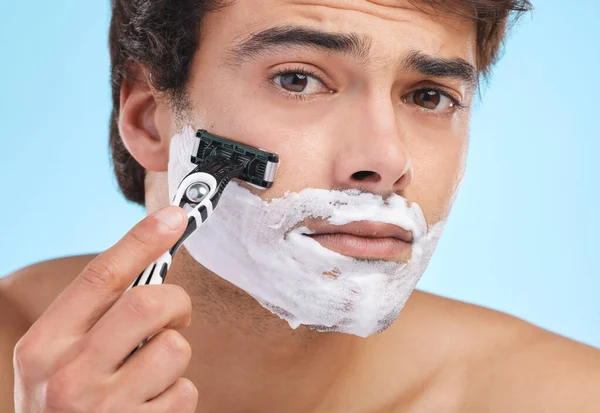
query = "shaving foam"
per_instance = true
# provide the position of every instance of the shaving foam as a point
(262, 248)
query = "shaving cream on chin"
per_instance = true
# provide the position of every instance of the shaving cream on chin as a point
(253, 244)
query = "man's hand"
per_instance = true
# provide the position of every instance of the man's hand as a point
(71, 359)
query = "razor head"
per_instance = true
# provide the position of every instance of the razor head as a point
(259, 165)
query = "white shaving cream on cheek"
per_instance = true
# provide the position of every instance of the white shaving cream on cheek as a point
(253, 244)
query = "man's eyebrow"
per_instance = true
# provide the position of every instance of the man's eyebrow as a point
(427, 65)
(346, 43)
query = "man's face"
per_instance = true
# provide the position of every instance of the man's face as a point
(369, 95)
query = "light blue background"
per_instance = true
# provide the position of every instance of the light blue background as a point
(523, 234)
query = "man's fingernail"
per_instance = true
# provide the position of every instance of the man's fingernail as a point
(172, 217)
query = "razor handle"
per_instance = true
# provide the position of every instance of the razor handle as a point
(201, 192)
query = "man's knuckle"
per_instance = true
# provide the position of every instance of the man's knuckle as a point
(186, 396)
(181, 297)
(28, 356)
(144, 302)
(102, 272)
(139, 240)
(176, 344)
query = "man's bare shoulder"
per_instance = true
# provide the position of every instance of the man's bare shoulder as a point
(31, 289)
(535, 371)
(502, 363)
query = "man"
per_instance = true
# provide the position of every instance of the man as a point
(368, 96)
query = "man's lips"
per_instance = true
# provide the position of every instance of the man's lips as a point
(364, 239)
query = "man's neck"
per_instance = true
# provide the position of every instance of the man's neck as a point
(246, 359)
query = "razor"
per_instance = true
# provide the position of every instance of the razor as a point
(218, 160)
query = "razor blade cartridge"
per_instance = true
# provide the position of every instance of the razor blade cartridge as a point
(259, 165)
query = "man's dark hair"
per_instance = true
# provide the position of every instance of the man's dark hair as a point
(163, 36)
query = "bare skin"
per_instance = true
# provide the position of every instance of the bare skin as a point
(359, 113)
(445, 356)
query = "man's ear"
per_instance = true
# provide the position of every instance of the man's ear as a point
(138, 120)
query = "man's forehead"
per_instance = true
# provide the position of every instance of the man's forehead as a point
(389, 26)
(339, 11)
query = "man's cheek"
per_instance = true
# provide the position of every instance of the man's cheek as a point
(305, 158)
(434, 192)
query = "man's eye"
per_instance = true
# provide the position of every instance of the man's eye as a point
(300, 83)
(431, 99)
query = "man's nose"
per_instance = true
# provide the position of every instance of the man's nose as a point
(372, 154)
